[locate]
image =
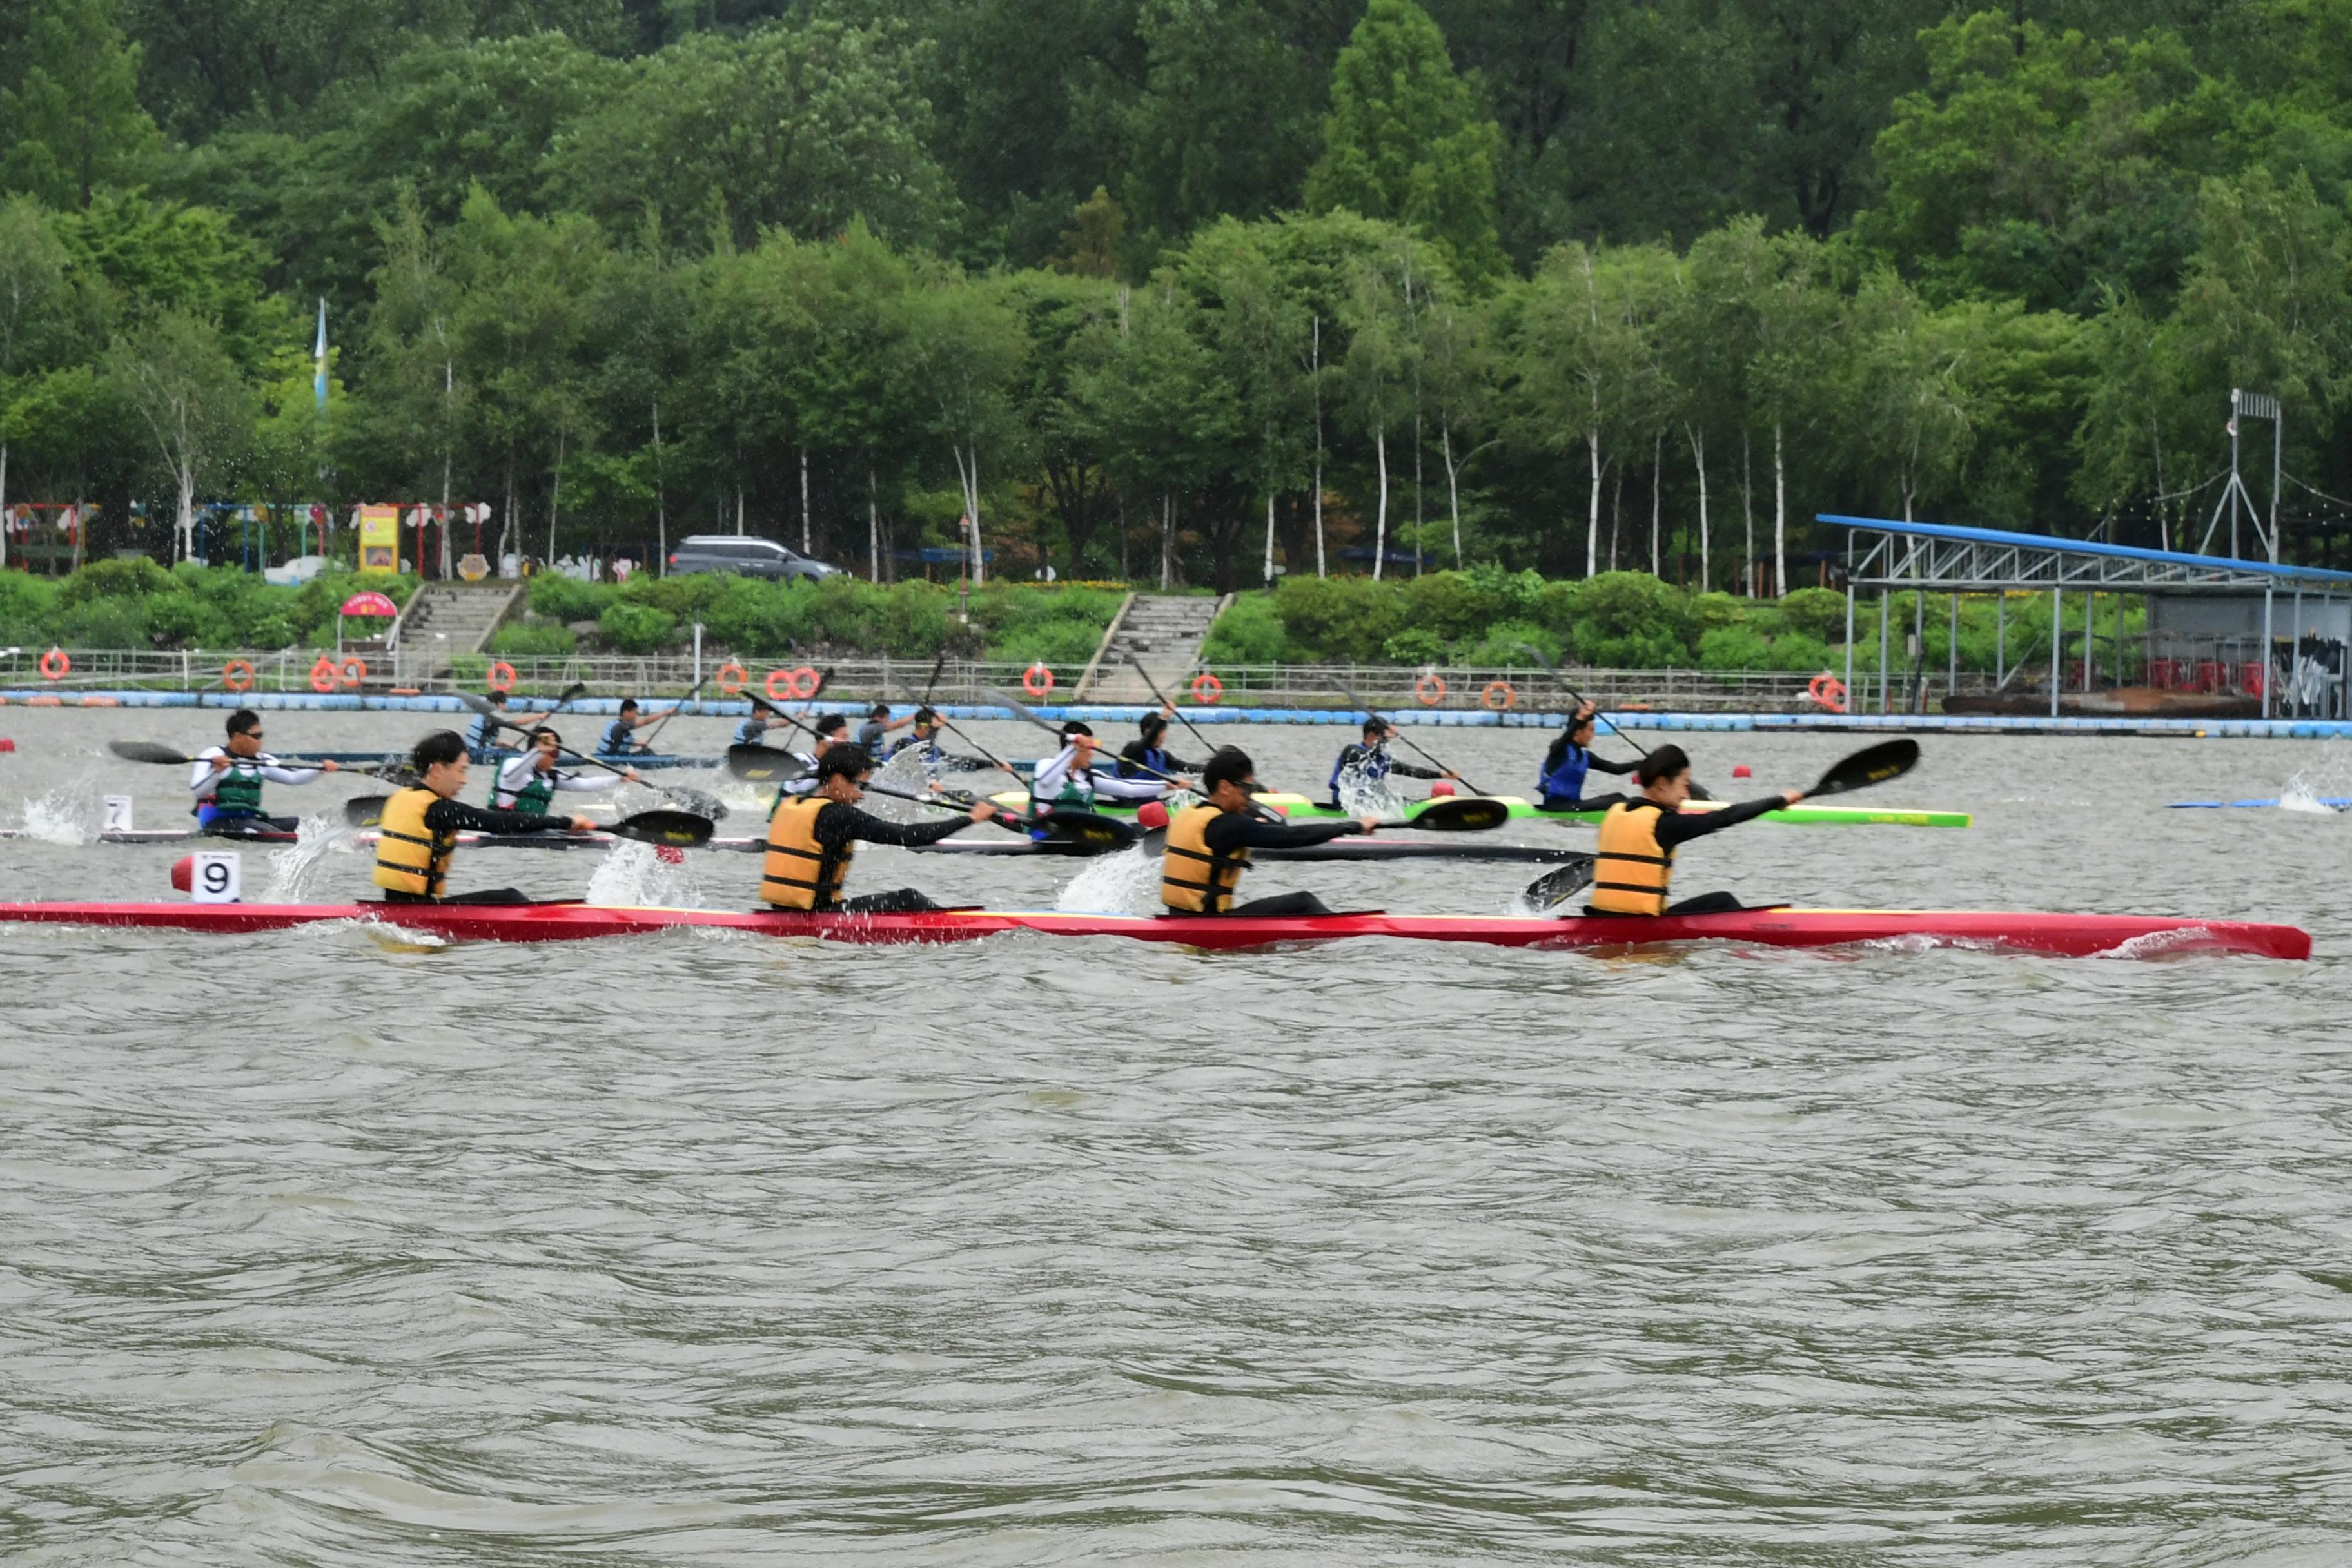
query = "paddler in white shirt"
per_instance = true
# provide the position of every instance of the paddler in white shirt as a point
(1069, 778)
(530, 782)
(227, 780)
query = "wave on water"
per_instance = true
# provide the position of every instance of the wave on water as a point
(294, 869)
(2311, 789)
(1112, 884)
(68, 815)
(634, 874)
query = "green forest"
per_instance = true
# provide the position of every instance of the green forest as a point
(1192, 292)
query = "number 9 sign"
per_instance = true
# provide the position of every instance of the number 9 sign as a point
(217, 878)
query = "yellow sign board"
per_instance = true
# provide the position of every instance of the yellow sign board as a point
(378, 539)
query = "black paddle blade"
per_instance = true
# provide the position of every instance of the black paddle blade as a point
(1554, 889)
(764, 764)
(1460, 813)
(365, 810)
(146, 752)
(699, 802)
(1871, 766)
(682, 829)
(1090, 828)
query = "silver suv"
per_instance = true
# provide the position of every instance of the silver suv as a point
(746, 555)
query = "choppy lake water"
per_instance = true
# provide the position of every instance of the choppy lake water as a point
(714, 1249)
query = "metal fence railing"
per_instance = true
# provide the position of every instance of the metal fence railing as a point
(965, 680)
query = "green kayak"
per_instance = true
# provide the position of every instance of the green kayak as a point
(1299, 806)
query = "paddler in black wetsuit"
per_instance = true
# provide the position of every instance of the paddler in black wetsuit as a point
(1561, 785)
(1146, 756)
(420, 823)
(1209, 845)
(1635, 858)
(812, 839)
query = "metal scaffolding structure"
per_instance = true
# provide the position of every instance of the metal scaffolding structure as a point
(1924, 557)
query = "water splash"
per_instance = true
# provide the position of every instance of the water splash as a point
(68, 815)
(2320, 789)
(294, 869)
(635, 873)
(1113, 884)
(1361, 796)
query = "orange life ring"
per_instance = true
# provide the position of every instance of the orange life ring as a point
(323, 675)
(237, 675)
(499, 678)
(780, 685)
(1510, 699)
(805, 680)
(354, 671)
(1207, 688)
(1430, 690)
(1828, 690)
(55, 664)
(1038, 680)
(729, 679)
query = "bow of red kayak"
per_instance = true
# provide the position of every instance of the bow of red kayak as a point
(2067, 936)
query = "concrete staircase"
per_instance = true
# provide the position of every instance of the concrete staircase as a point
(444, 620)
(1162, 633)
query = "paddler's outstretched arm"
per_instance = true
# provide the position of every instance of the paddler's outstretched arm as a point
(842, 824)
(1682, 826)
(456, 816)
(1246, 829)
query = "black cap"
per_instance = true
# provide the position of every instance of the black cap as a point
(1074, 728)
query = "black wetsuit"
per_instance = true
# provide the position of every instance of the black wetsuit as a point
(839, 825)
(1246, 830)
(1679, 828)
(456, 816)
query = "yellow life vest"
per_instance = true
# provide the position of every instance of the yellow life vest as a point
(1631, 868)
(1194, 880)
(799, 872)
(410, 858)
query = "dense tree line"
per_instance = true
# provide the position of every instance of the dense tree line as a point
(1178, 289)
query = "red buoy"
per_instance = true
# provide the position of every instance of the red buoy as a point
(1151, 815)
(183, 874)
(1441, 788)
(1741, 771)
(6, 744)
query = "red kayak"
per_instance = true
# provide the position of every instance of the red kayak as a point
(2073, 936)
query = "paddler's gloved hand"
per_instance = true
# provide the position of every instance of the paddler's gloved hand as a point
(982, 811)
(1792, 795)
(1366, 824)
(583, 824)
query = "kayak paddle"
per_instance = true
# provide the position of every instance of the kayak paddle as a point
(1554, 887)
(683, 829)
(1457, 814)
(1153, 687)
(1091, 829)
(150, 752)
(1871, 766)
(755, 763)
